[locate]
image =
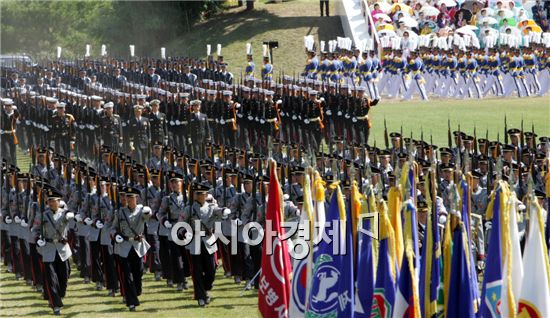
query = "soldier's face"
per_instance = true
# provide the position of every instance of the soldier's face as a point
(175, 185)
(196, 108)
(157, 151)
(155, 108)
(200, 197)
(132, 201)
(53, 204)
(248, 187)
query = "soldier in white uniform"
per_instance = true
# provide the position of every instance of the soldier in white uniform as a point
(50, 226)
(130, 245)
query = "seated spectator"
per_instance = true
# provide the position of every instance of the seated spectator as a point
(375, 12)
(459, 20)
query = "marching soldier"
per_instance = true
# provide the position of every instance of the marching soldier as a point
(241, 264)
(104, 223)
(203, 211)
(110, 126)
(130, 245)
(152, 196)
(158, 124)
(171, 207)
(138, 135)
(199, 130)
(62, 131)
(8, 121)
(50, 227)
(479, 199)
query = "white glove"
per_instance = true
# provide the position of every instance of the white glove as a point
(8, 220)
(78, 218)
(329, 112)
(226, 212)
(488, 226)
(178, 122)
(306, 121)
(239, 222)
(354, 119)
(69, 216)
(286, 197)
(167, 224)
(24, 223)
(40, 242)
(293, 117)
(322, 99)
(262, 121)
(347, 116)
(521, 207)
(298, 212)
(172, 123)
(88, 221)
(17, 219)
(189, 141)
(188, 236)
(221, 121)
(250, 118)
(119, 239)
(339, 113)
(99, 224)
(209, 197)
(442, 219)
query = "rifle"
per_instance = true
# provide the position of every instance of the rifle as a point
(386, 138)
(449, 135)
(505, 130)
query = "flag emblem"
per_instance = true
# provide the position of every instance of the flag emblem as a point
(324, 299)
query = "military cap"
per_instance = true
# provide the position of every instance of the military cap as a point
(482, 158)
(155, 102)
(104, 180)
(468, 138)
(543, 139)
(175, 176)
(138, 107)
(53, 194)
(200, 187)
(540, 194)
(22, 175)
(456, 133)
(195, 102)
(132, 191)
(227, 93)
(445, 151)
(313, 92)
(141, 96)
(205, 163)
(402, 155)
(508, 148)
(60, 105)
(530, 134)
(7, 101)
(513, 131)
(338, 139)
(154, 172)
(446, 167)
(395, 135)
(140, 169)
(245, 177)
(384, 153)
(157, 144)
(482, 141)
(476, 174)
(299, 199)
(264, 179)
(422, 206)
(108, 105)
(375, 170)
(297, 170)
(231, 172)
(96, 98)
(346, 184)
(52, 100)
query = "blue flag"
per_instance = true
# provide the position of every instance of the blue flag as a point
(332, 292)
(460, 290)
(465, 218)
(365, 273)
(492, 281)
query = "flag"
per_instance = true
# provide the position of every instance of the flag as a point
(430, 266)
(301, 274)
(331, 292)
(514, 271)
(364, 286)
(407, 302)
(384, 287)
(547, 182)
(465, 214)
(535, 291)
(274, 285)
(461, 300)
(394, 206)
(492, 280)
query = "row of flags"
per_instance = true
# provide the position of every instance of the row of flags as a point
(373, 265)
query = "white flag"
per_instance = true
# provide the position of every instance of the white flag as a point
(516, 270)
(88, 49)
(535, 292)
(59, 49)
(132, 50)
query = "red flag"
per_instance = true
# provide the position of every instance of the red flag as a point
(274, 285)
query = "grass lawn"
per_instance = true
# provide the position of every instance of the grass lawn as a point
(287, 22)
(82, 300)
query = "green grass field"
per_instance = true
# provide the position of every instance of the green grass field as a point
(287, 22)
(157, 300)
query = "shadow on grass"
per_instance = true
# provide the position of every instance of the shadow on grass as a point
(253, 23)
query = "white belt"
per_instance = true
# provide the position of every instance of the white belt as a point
(5, 132)
(315, 119)
(272, 120)
(363, 117)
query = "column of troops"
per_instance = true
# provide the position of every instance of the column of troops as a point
(113, 170)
